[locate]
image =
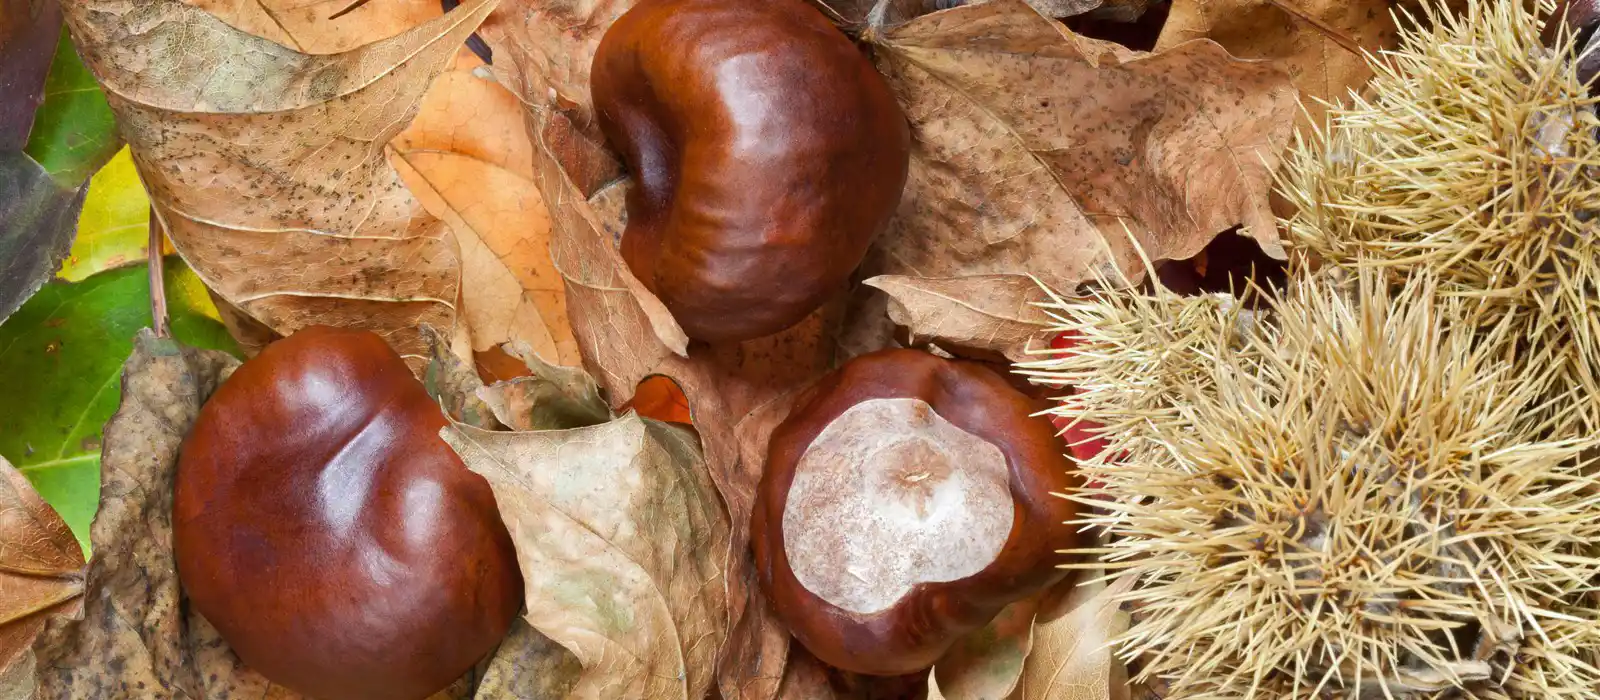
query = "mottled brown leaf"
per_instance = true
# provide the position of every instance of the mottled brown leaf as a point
(129, 643)
(1071, 658)
(263, 165)
(993, 313)
(549, 398)
(988, 663)
(529, 666)
(454, 384)
(1037, 151)
(1318, 65)
(623, 547)
(41, 567)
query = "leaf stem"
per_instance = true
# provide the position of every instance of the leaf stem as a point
(158, 280)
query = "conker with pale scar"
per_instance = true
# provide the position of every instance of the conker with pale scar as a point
(766, 154)
(340, 547)
(906, 499)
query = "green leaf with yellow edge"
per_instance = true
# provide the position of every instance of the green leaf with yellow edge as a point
(73, 130)
(61, 355)
(114, 228)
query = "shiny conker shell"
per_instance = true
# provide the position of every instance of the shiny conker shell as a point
(332, 537)
(906, 499)
(766, 154)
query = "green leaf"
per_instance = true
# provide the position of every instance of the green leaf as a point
(61, 356)
(114, 228)
(73, 131)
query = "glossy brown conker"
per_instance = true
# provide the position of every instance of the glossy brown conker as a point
(908, 498)
(766, 154)
(335, 541)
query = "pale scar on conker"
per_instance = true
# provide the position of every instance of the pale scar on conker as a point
(766, 154)
(906, 500)
(338, 544)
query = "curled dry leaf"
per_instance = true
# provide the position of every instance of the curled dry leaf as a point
(260, 162)
(1321, 68)
(623, 547)
(1039, 151)
(990, 313)
(132, 619)
(41, 568)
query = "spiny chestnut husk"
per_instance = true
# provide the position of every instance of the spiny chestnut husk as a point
(906, 500)
(1348, 495)
(338, 544)
(766, 154)
(1473, 157)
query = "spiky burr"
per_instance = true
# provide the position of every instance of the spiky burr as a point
(1347, 495)
(1472, 156)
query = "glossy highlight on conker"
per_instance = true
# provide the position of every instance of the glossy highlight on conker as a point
(766, 153)
(340, 547)
(954, 474)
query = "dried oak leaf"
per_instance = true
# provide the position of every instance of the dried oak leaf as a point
(623, 547)
(261, 162)
(1039, 151)
(41, 568)
(991, 313)
(1261, 29)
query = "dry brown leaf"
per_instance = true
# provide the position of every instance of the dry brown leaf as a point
(512, 291)
(41, 567)
(132, 620)
(987, 664)
(992, 313)
(1038, 151)
(469, 159)
(261, 164)
(627, 335)
(1319, 67)
(528, 666)
(305, 26)
(1071, 658)
(623, 547)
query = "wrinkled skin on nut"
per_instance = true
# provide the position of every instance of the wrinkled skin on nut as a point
(766, 153)
(905, 501)
(322, 525)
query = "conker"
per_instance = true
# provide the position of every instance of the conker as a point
(335, 541)
(766, 153)
(906, 500)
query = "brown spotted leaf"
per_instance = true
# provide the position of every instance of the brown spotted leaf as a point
(1037, 151)
(1319, 65)
(132, 618)
(623, 546)
(990, 313)
(41, 567)
(262, 163)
